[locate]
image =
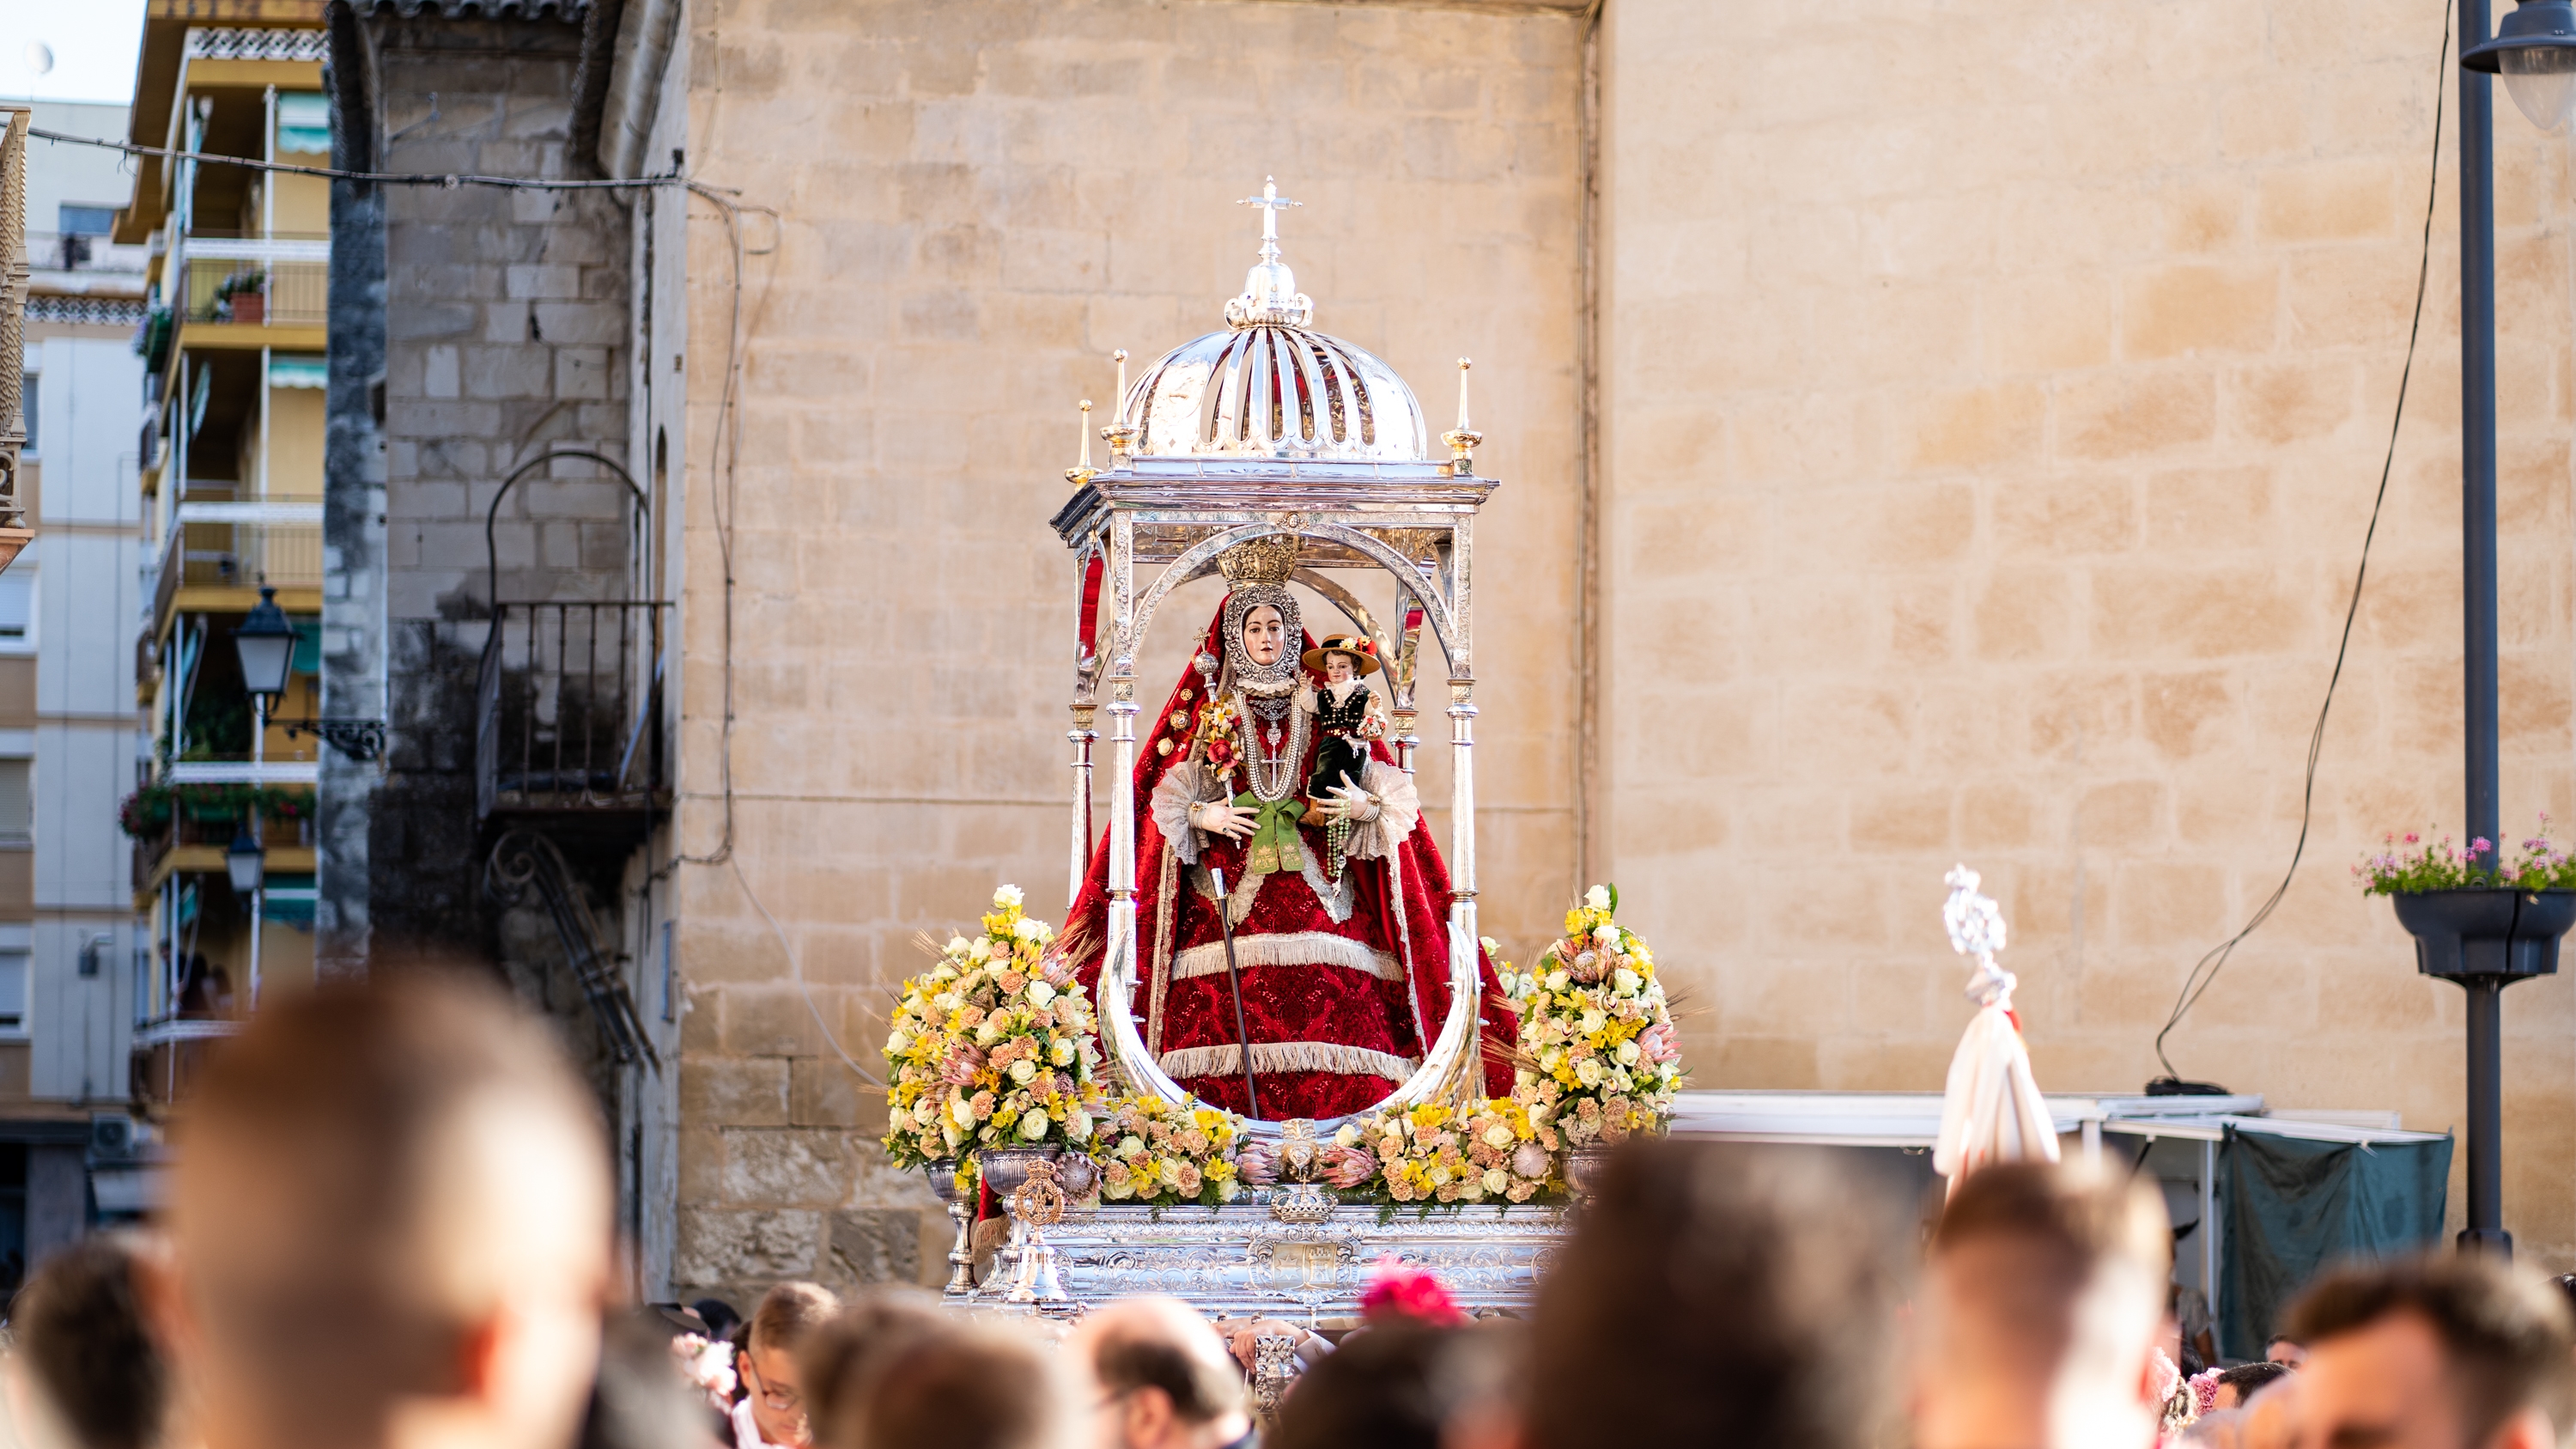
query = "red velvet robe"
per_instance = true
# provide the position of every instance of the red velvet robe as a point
(1342, 1006)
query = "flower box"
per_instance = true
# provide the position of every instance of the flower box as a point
(2486, 932)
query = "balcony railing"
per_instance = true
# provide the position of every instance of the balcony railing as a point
(237, 545)
(569, 710)
(274, 282)
(170, 1052)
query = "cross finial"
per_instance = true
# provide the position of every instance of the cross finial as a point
(1271, 203)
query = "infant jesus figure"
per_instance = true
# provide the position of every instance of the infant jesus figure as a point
(1346, 720)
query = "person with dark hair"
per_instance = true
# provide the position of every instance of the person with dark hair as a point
(718, 1315)
(391, 1223)
(1161, 1377)
(80, 1327)
(839, 1359)
(1719, 1288)
(2436, 1352)
(965, 1386)
(2244, 1381)
(2283, 1349)
(1405, 1385)
(2042, 1307)
(771, 1410)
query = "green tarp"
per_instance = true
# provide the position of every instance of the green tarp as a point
(2295, 1206)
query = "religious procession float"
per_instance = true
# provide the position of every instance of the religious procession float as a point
(1269, 1048)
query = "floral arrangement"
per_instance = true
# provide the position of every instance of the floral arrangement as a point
(1158, 1154)
(1396, 1293)
(1599, 1060)
(707, 1366)
(994, 1046)
(2409, 865)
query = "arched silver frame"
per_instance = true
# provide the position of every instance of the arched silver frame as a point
(1445, 607)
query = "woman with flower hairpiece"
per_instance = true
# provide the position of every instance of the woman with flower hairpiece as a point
(1337, 896)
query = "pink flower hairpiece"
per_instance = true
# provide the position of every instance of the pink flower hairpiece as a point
(1397, 1291)
(2204, 1391)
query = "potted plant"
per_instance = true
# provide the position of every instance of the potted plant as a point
(2470, 912)
(242, 297)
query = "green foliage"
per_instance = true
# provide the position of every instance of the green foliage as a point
(2411, 865)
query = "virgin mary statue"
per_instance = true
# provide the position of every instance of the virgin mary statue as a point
(1340, 934)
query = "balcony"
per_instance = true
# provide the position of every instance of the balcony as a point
(217, 554)
(168, 1056)
(242, 290)
(568, 718)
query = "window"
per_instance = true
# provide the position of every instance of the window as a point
(86, 220)
(17, 609)
(13, 988)
(17, 802)
(27, 405)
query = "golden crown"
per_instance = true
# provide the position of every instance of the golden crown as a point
(1266, 560)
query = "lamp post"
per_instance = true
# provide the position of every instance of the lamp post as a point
(2535, 51)
(265, 646)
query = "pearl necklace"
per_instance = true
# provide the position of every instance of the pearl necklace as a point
(1273, 722)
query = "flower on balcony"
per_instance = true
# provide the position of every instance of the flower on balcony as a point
(2411, 865)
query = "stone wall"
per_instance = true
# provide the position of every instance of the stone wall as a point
(1994, 403)
(978, 202)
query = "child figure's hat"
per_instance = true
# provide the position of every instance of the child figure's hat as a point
(1363, 653)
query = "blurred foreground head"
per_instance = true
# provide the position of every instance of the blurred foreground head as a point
(391, 1221)
(80, 1330)
(894, 1376)
(1161, 1378)
(2437, 1352)
(2041, 1307)
(1712, 1288)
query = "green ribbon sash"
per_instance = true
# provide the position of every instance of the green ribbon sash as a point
(1273, 845)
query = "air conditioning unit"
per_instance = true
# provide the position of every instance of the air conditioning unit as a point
(112, 1137)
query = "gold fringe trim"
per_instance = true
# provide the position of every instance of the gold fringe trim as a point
(1287, 1056)
(1299, 948)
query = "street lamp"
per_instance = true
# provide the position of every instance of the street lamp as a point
(265, 645)
(246, 862)
(2535, 50)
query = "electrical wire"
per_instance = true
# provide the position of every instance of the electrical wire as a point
(2206, 970)
(448, 179)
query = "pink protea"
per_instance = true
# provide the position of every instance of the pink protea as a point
(1257, 1164)
(963, 1063)
(1345, 1167)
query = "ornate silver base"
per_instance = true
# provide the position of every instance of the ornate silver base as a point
(1242, 1261)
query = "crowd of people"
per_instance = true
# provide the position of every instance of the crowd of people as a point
(391, 1227)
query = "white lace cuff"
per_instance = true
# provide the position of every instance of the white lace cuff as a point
(1399, 808)
(1174, 794)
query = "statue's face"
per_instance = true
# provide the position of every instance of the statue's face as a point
(1264, 634)
(1337, 667)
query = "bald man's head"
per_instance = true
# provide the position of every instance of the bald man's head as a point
(1164, 1378)
(392, 1207)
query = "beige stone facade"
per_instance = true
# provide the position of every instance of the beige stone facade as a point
(1988, 411)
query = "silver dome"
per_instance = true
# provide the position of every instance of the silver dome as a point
(1269, 386)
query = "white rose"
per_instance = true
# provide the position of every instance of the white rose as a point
(948, 1001)
(1023, 1070)
(1130, 1145)
(925, 1111)
(961, 1111)
(1349, 1136)
(943, 971)
(1556, 980)
(1033, 1126)
(896, 1041)
(981, 949)
(957, 946)
(1440, 1176)
(1062, 1053)
(1030, 930)
(1593, 1021)
(1549, 1057)
(1498, 1135)
(1497, 1180)
(1588, 1072)
(1597, 898)
(1172, 1171)
(1008, 898)
(988, 1031)
(1040, 994)
(950, 1131)
(1228, 1190)
(1625, 982)
(1628, 1054)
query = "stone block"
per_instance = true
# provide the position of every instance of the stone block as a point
(718, 1245)
(581, 372)
(537, 281)
(2125, 413)
(2199, 308)
(734, 1091)
(772, 1167)
(878, 1245)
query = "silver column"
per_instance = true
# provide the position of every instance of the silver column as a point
(1082, 735)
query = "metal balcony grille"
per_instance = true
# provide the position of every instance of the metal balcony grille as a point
(569, 710)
